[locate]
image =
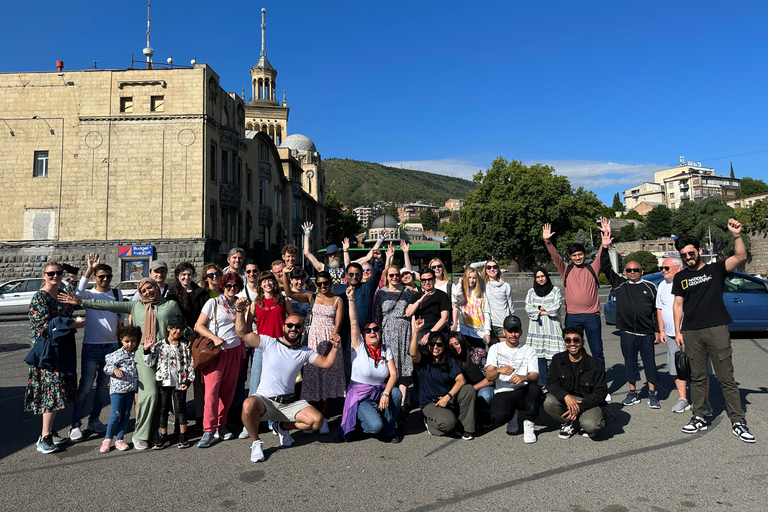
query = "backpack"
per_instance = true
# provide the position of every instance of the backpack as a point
(570, 267)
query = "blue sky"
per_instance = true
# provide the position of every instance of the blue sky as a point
(605, 92)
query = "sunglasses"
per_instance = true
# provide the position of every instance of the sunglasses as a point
(251, 271)
(55, 273)
(213, 275)
(369, 330)
(367, 270)
(633, 270)
(105, 276)
(291, 325)
(393, 275)
(435, 267)
(232, 286)
(354, 274)
(427, 279)
(666, 269)
(572, 340)
(689, 254)
(323, 283)
(439, 344)
(492, 267)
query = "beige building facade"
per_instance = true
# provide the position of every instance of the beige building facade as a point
(644, 192)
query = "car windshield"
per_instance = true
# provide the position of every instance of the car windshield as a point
(15, 286)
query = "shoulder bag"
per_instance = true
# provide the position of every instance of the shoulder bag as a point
(682, 365)
(204, 350)
(308, 323)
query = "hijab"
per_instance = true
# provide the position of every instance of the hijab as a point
(542, 290)
(150, 317)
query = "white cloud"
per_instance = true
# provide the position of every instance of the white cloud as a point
(445, 166)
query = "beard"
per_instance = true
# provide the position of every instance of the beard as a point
(696, 261)
(334, 262)
(290, 337)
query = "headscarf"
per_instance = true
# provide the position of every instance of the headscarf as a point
(542, 290)
(150, 317)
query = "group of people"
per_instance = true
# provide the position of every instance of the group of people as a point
(386, 338)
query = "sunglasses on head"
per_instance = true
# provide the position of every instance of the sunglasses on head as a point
(633, 270)
(572, 340)
(354, 274)
(55, 273)
(105, 276)
(323, 283)
(492, 267)
(369, 330)
(231, 286)
(213, 275)
(291, 325)
(689, 254)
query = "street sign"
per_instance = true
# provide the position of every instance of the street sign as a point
(130, 251)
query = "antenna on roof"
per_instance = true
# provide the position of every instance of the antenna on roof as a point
(148, 51)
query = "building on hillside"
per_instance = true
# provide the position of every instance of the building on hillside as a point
(647, 191)
(454, 204)
(746, 202)
(646, 206)
(411, 211)
(365, 214)
(394, 231)
(692, 186)
(415, 232)
(138, 164)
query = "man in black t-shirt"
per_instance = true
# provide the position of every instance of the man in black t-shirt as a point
(432, 305)
(701, 326)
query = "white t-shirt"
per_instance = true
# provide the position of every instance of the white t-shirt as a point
(100, 326)
(522, 358)
(226, 327)
(365, 371)
(251, 295)
(664, 301)
(280, 366)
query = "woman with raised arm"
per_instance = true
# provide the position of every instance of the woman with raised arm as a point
(498, 294)
(372, 398)
(152, 313)
(545, 334)
(446, 400)
(320, 385)
(471, 315)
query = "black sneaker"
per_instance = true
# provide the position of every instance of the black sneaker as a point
(567, 431)
(46, 444)
(160, 442)
(695, 425)
(183, 443)
(741, 431)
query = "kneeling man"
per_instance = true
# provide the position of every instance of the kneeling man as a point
(576, 388)
(275, 398)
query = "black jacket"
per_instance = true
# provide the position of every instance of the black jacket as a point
(198, 297)
(589, 384)
(635, 302)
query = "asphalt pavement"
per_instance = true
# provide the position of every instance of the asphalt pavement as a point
(640, 462)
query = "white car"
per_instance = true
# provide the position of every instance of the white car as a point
(128, 288)
(16, 295)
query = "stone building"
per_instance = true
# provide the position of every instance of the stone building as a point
(138, 164)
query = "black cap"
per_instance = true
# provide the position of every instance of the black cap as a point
(179, 322)
(513, 323)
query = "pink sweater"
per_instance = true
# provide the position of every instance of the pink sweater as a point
(581, 292)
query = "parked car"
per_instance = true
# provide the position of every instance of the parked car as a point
(128, 288)
(15, 295)
(745, 296)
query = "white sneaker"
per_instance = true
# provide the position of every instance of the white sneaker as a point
(75, 434)
(285, 436)
(244, 434)
(608, 398)
(529, 436)
(97, 426)
(257, 451)
(324, 429)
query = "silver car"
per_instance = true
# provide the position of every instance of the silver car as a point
(16, 295)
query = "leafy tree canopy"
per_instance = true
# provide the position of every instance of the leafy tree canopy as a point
(705, 217)
(633, 215)
(617, 204)
(429, 220)
(658, 222)
(754, 218)
(646, 259)
(340, 224)
(751, 186)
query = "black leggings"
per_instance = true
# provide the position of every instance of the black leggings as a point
(179, 405)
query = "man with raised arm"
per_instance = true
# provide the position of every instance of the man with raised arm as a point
(580, 280)
(275, 398)
(701, 327)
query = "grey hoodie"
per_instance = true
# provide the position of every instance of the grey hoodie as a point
(499, 296)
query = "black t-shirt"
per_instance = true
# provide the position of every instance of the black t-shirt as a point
(432, 306)
(702, 293)
(576, 383)
(433, 383)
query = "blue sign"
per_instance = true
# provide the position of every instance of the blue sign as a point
(129, 251)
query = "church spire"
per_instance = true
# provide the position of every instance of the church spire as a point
(263, 62)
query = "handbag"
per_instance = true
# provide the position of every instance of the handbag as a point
(682, 365)
(307, 323)
(204, 350)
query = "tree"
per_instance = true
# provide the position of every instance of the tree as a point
(429, 220)
(391, 209)
(504, 215)
(732, 174)
(751, 186)
(646, 259)
(617, 204)
(340, 224)
(633, 215)
(444, 213)
(684, 218)
(754, 218)
(628, 233)
(658, 222)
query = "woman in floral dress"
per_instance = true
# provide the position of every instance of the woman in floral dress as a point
(319, 385)
(54, 389)
(389, 313)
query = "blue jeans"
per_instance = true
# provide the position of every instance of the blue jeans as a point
(483, 402)
(592, 328)
(631, 346)
(121, 413)
(92, 369)
(371, 419)
(543, 371)
(253, 384)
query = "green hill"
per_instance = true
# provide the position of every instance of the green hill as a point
(358, 183)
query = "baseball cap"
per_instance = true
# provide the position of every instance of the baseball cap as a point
(177, 321)
(512, 323)
(156, 264)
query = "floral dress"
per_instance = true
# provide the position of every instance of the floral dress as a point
(396, 327)
(320, 384)
(48, 390)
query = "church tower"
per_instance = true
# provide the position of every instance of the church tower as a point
(264, 112)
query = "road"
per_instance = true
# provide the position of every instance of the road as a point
(640, 462)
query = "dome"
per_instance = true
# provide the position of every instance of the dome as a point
(384, 221)
(299, 142)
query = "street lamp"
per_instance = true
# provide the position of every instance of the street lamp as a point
(46, 122)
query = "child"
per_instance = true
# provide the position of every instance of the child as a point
(122, 386)
(175, 373)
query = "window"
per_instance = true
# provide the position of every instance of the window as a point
(263, 193)
(249, 183)
(157, 104)
(295, 208)
(213, 219)
(41, 165)
(213, 161)
(224, 166)
(126, 104)
(239, 171)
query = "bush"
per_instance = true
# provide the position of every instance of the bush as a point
(647, 260)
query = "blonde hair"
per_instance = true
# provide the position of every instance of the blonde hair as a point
(386, 274)
(486, 277)
(444, 275)
(478, 289)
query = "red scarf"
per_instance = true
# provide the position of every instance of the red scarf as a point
(375, 355)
